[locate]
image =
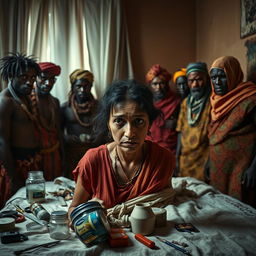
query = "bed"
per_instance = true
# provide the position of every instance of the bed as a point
(226, 226)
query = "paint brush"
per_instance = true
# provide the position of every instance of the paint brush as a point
(173, 245)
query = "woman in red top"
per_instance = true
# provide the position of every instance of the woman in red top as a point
(128, 166)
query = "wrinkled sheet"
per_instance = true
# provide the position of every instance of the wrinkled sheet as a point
(227, 227)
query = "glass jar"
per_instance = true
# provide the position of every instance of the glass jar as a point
(35, 187)
(58, 225)
(90, 223)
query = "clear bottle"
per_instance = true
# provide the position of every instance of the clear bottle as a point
(58, 225)
(35, 187)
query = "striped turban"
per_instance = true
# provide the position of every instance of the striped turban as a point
(181, 72)
(197, 67)
(50, 67)
(81, 74)
(158, 71)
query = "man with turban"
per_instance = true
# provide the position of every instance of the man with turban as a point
(77, 114)
(192, 158)
(47, 110)
(162, 130)
(181, 82)
(19, 146)
(232, 131)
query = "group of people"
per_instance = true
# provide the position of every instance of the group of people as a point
(137, 136)
(36, 131)
(213, 131)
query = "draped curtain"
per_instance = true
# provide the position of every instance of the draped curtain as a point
(87, 34)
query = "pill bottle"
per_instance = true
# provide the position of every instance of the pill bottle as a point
(58, 225)
(90, 223)
(39, 211)
(35, 187)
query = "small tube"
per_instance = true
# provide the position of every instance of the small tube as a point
(145, 241)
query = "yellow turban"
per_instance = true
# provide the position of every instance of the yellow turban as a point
(81, 74)
(181, 72)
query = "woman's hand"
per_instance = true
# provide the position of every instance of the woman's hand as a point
(98, 200)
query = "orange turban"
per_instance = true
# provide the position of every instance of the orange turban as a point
(50, 67)
(81, 74)
(181, 72)
(158, 71)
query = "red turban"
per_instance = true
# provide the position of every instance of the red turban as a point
(159, 71)
(50, 67)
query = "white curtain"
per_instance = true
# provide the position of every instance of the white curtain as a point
(60, 31)
(108, 43)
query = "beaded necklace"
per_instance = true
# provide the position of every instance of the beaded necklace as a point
(76, 109)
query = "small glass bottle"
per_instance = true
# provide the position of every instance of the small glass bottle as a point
(58, 225)
(35, 187)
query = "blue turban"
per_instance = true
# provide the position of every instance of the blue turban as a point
(197, 67)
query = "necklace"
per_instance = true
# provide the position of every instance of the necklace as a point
(43, 122)
(136, 173)
(75, 108)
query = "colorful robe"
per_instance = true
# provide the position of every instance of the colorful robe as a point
(233, 147)
(195, 144)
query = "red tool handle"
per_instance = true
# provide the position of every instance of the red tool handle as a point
(145, 240)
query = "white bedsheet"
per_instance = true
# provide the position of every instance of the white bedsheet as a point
(227, 227)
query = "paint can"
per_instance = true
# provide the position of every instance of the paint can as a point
(90, 223)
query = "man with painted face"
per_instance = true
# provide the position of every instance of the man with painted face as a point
(77, 115)
(19, 146)
(232, 131)
(47, 110)
(162, 130)
(181, 82)
(192, 158)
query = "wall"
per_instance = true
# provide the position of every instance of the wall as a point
(174, 33)
(218, 31)
(161, 32)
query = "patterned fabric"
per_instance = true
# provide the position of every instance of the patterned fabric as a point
(181, 72)
(165, 137)
(158, 71)
(81, 74)
(154, 176)
(237, 90)
(194, 141)
(232, 147)
(50, 67)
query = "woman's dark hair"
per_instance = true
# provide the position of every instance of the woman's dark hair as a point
(16, 64)
(119, 92)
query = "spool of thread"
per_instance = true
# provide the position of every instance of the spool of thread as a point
(161, 216)
(39, 211)
(7, 224)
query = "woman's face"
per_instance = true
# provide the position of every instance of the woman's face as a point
(128, 125)
(219, 81)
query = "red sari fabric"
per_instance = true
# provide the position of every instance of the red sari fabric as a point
(99, 180)
(165, 137)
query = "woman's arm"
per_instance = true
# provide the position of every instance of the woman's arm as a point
(80, 196)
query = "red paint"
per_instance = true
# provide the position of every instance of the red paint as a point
(145, 241)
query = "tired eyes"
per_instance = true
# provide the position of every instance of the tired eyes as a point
(195, 80)
(121, 121)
